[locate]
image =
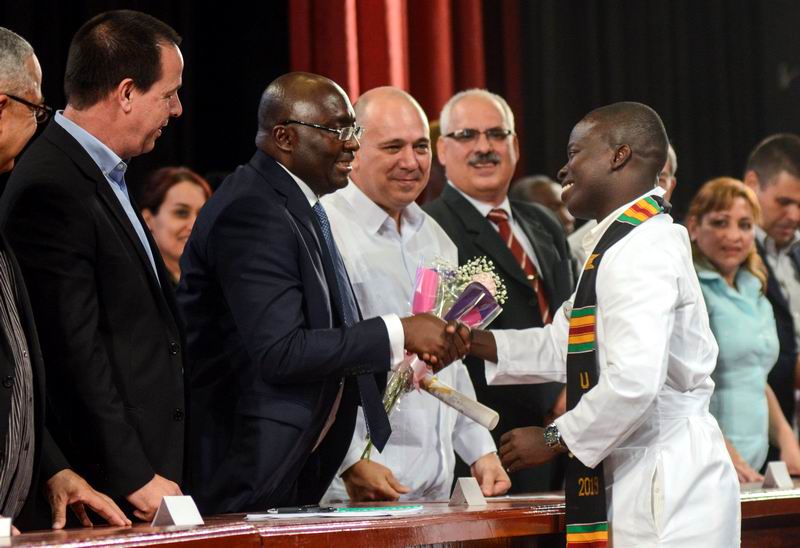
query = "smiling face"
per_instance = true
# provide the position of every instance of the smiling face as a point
(318, 157)
(481, 168)
(394, 162)
(584, 177)
(173, 222)
(151, 110)
(725, 237)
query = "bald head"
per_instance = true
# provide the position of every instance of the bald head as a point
(294, 96)
(298, 121)
(636, 125)
(614, 155)
(373, 105)
(394, 162)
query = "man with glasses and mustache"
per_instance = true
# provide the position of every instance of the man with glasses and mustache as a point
(279, 359)
(479, 151)
(28, 453)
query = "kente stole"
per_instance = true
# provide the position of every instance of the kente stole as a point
(587, 520)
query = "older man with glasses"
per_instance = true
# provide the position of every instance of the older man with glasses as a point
(479, 150)
(29, 453)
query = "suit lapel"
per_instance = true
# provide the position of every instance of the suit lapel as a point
(773, 289)
(61, 138)
(485, 236)
(297, 205)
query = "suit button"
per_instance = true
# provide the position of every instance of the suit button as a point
(8, 381)
(177, 416)
(174, 348)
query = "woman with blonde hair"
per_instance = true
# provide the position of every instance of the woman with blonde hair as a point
(721, 223)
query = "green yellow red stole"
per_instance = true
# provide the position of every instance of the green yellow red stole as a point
(587, 519)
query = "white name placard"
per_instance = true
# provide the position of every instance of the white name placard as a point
(467, 492)
(777, 476)
(177, 511)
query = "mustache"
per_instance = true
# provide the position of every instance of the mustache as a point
(484, 157)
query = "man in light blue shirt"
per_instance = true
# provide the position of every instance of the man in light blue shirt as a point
(107, 320)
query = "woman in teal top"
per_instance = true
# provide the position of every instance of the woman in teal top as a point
(721, 224)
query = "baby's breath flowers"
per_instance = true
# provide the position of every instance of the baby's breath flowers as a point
(481, 270)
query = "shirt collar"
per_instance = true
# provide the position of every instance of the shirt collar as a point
(593, 236)
(307, 192)
(112, 166)
(769, 243)
(372, 217)
(746, 281)
(484, 208)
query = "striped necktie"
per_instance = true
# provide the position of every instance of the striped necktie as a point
(500, 218)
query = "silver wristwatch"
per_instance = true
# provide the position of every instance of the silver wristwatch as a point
(552, 437)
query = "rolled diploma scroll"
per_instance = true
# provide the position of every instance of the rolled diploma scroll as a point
(462, 403)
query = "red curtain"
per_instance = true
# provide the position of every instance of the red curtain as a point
(431, 48)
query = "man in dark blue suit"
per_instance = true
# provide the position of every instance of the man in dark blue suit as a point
(278, 360)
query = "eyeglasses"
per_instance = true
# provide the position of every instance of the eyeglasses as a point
(467, 135)
(344, 133)
(41, 112)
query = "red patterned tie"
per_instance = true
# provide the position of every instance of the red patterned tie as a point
(500, 218)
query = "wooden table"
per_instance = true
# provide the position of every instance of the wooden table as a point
(531, 522)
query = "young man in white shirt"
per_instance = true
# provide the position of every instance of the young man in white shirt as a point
(638, 407)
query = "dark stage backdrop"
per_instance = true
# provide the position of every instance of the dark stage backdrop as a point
(231, 50)
(722, 73)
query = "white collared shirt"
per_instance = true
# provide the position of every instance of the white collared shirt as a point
(647, 418)
(484, 209)
(382, 265)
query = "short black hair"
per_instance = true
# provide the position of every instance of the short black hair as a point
(777, 153)
(110, 47)
(636, 125)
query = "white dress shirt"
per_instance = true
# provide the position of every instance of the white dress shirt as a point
(382, 265)
(647, 419)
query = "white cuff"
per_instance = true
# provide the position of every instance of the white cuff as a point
(397, 338)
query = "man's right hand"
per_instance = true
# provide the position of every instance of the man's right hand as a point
(370, 481)
(435, 341)
(147, 498)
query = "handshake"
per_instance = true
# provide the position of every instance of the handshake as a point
(436, 342)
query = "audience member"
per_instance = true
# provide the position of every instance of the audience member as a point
(541, 189)
(721, 223)
(636, 349)
(383, 236)
(29, 452)
(666, 180)
(278, 358)
(99, 290)
(773, 172)
(171, 199)
(479, 151)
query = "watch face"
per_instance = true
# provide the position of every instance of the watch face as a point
(551, 436)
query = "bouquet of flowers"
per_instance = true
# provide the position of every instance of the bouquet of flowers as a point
(471, 294)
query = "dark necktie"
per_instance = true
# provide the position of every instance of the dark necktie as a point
(500, 218)
(377, 421)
